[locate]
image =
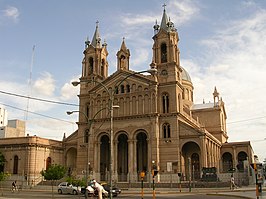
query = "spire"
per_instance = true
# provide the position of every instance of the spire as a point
(215, 93)
(123, 57)
(123, 45)
(215, 96)
(164, 21)
(156, 27)
(96, 41)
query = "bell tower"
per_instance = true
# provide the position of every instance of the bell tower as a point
(94, 64)
(123, 57)
(166, 54)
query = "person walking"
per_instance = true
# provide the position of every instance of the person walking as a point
(14, 186)
(233, 185)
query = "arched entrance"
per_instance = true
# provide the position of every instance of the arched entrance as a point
(195, 166)
(71, 159)
(190, 161)
(142, 152)
(48, 162)
(104, 157)
(241, 157)
(122, 157)
(15, 166)
(227, 161)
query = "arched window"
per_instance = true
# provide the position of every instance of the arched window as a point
(128, 88)
(165, 99)
(15, 166)
(116, 90)
(88, 110)
(163, 53)
(122, 87)
(48, 162)
(90, 65)
(102, 67)
(166, 130)
(86, 136)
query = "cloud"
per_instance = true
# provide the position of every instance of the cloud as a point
(236, 65)
(44, 85)
(182, 11)
(68, 91)
(11, 13)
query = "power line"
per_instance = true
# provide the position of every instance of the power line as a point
(38, 114)
(246, 120)
(39, 99)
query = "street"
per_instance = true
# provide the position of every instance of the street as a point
(47, 194)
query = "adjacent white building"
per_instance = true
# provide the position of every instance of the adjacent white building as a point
(3, 116)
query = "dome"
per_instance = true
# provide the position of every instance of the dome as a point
(185, 75)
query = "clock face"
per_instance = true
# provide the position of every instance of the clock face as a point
(164, 72)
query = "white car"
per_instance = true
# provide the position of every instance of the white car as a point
(67, 188)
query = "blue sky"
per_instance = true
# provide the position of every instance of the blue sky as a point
(222, 44)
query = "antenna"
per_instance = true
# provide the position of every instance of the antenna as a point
(30, 80)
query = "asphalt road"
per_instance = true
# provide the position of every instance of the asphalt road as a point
(28, 194)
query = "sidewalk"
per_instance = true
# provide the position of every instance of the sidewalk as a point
(243, 192)
(248, 192)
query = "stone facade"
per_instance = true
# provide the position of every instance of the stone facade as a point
(27, 156)
(157, 122)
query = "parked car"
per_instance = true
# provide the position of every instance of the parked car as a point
(67, 188)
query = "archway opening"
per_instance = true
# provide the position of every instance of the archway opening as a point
(142, 152)
(227, 161)
(104, 157)
(122, 157)
(190, 161)
(241, 157)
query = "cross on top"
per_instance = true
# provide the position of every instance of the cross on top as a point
(164, 5)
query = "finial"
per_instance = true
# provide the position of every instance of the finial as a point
(104, 43)
(87, 42)
(164, 5)
(97, 23)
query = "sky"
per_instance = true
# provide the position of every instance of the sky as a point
(222, 44)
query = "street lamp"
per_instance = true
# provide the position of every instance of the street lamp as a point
(89, 122)
(111, 107)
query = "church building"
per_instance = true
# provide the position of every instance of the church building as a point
(134, 121)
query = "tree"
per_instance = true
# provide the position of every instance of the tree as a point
(53, 173)
(3, 177)
(2, 162)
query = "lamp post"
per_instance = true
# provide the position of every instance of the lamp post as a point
(111, 107)
(89, 123)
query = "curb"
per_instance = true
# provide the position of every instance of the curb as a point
(227, 195)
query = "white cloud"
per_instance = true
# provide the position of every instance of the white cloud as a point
(236, 57)
(182, 11)
(68, 91)
(11, 13)
(45, 85)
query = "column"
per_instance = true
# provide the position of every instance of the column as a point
(130, 160)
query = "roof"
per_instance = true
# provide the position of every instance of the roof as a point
(185, 75)
(202, 106)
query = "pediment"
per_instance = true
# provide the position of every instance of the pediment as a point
(125, 77)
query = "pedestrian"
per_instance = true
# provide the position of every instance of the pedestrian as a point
(14, 186)
(233, 185)
(99, 188)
